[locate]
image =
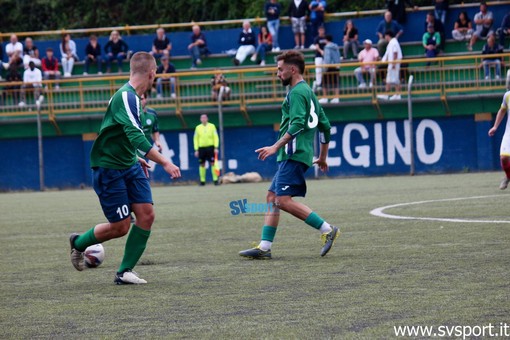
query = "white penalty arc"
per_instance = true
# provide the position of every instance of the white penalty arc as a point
(379, 212)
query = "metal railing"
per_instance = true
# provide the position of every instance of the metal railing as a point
(253, 87)
(128, 29)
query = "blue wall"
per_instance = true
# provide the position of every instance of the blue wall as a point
(222, 40)
(357, 148)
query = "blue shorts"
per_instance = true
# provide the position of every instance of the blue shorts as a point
(118, 189)
(289, 180)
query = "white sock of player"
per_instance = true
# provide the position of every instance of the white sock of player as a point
(325, 228)
(265, 245)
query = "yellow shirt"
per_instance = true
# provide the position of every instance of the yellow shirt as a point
(205, 135)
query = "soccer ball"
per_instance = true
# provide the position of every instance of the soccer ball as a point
(94, 255)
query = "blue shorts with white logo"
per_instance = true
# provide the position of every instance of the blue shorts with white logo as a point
(118, 189)
(289, 180)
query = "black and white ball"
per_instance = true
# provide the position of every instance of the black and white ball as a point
(94, 256)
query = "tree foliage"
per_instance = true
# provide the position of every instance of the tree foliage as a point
(40, 15)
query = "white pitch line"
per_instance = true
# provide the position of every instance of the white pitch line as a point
(379, 211)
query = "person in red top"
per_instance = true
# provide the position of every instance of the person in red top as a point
(49, 66)
(265, 44)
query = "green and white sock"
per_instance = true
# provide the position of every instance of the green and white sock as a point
(268, 233)
(135, 246)
(317, 222)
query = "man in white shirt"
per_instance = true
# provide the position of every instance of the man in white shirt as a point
(32, 78)
(392, 55)
(483, 20)
(14, 51)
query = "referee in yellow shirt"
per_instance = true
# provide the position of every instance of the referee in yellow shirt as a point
(206, 142)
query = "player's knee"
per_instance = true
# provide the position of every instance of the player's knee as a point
(270, 197)
(146, 219)
(282, 203)
(121, 228)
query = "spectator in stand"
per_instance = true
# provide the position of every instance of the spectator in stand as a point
(32, 78)
(50, 66)
(265, 41)
(492, 47)
(198, 46)
(272, 10)
(430, 19)
(161, 45)
(483, 20)
(298, 10)
(504, 30)
(431, 41)
(462, 29)
(115, 49)
(317, 10)
(93, 55)
(165, 69)
(398, 9)
(30, 53)
(440, 10)
(367, 56)
(331, 76)
(392, 55)
(350, 39)
(387, 24)
(319, 44)
(68, 53)
(247, 41)
(219, 85)
(14, 51)
(13, 75)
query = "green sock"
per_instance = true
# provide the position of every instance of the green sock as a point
(135, 246)
(201, 171)
(268, 233)
(314, 220)
(84, 240)
(213, 172)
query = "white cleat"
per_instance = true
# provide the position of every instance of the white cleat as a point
(504, 183)
(128, 278)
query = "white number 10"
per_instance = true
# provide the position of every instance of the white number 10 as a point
(123, 211)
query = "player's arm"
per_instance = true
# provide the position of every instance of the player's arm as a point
(172, 169)
(499, 119)
(155, 138)
(324, 128)
(271, 150)
(216, 140)
(195, 141)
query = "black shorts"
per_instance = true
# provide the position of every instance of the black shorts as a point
(206, 154)
(331, 78)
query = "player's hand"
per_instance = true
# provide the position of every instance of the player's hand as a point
(196, 154)
(173, 170)
(492, 131)
(145, 166)
(215, 152)
(323, 165)
(265, 152)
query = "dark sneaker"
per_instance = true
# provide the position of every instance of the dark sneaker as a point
(216, 182)
(328, 239)
(202, 184)
(77, 258)
(256, 254)
(128, 277)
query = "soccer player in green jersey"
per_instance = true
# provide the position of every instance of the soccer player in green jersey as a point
(149, 120)
(120, 173)
(302, 115)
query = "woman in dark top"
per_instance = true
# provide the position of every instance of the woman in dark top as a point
(265, 44)
(115, 49)
(93, 55)
(350, 39)
(463, 29)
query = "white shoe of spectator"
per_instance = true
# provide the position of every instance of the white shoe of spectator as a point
(323, 100)
(371, 85)
(253, 58)
(159, 96)
(5, 65)
(487, 78)
(22, 104)
(57, 87)
(100, 73)
(85, 74)
(362, 86)
(173, 96)
(382, 96)
(335, 101)
(395, 97)
(276, 49)
(312, 47)
(41, 99)
(302, 47)
(67, 75)
(199, 61)
(498, 77)
(296, 47)
(262, 63)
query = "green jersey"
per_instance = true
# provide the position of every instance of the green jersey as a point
(149, 123)
(302, 115)
(121, 136)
